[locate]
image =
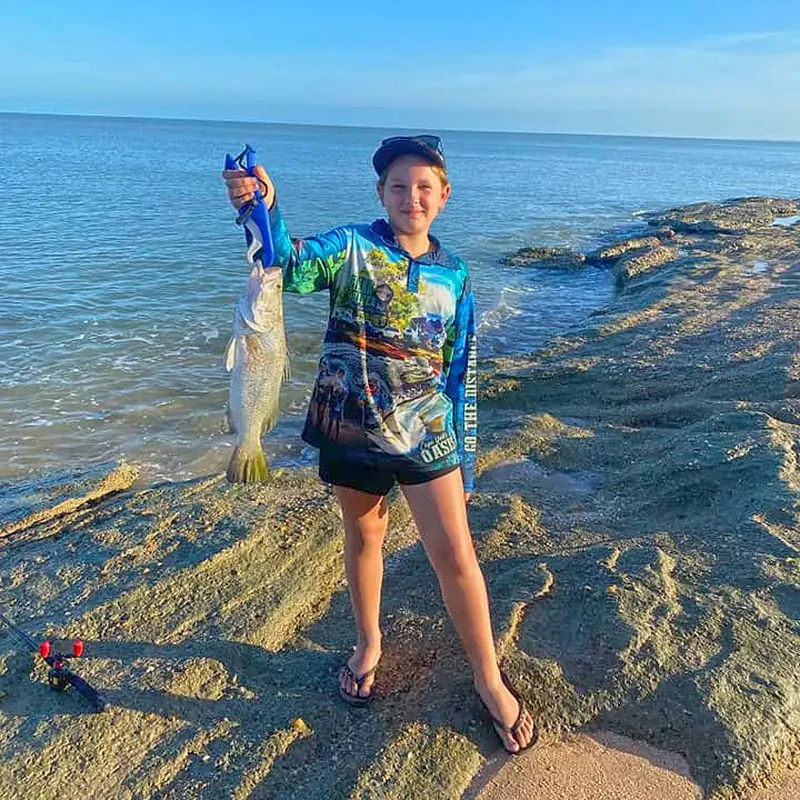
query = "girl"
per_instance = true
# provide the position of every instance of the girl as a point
(401, 343)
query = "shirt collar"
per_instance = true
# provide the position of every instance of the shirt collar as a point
(384, 231)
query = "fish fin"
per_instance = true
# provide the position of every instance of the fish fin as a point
(269, 423)
(247, 465)
(230, 354)
(229, 419)
(287, 360)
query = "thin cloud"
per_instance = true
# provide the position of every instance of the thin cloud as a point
(782, 39)
(707, 71)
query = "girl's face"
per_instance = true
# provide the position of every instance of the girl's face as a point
(413, 195)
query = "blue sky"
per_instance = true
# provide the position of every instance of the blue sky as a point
(701, 68)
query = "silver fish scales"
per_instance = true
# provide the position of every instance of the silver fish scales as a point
(257, 358)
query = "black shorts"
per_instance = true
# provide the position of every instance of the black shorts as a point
(374, 477)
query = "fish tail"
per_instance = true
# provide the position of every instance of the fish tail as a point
(247, 465)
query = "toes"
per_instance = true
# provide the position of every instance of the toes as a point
(523, 736)
(345, 683)
(349, 685)
(526, 732)
(509, 741)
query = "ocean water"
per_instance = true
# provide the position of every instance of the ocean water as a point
(121, 263)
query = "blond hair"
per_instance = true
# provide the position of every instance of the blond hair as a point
(439, 171)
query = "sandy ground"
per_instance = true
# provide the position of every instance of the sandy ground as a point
(602, 766)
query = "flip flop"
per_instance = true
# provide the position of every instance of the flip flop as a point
(357, 680)
(513, 730)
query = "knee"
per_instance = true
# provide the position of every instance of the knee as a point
(366, 536)
(368, 531)
(366, 527)
(455, 562)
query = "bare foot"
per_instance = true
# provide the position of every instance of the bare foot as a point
(362, 664)
(516, 734)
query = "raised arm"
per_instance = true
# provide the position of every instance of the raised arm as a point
(309, 265)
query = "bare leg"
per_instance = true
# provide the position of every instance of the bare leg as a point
(441, 517)
(365, 522)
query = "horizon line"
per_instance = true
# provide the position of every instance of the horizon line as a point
(379, 127)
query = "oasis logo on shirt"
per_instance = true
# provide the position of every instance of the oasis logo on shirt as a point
(440, 446)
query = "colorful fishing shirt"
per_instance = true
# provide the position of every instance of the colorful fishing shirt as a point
(397, 377)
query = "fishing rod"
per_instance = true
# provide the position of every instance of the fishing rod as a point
(59, 675)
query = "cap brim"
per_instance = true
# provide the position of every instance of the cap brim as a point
(387, 153)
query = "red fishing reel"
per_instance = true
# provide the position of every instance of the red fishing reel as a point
(59, 677)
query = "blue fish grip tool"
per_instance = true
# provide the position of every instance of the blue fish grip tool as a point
(253, 216)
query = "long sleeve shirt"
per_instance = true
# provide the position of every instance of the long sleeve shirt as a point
(397, 376)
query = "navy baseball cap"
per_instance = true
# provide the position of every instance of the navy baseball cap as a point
(425, 145)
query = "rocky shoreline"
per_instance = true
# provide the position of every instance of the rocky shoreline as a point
(636, 515)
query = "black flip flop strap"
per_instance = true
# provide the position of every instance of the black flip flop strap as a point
(358, 679)
(514, 729)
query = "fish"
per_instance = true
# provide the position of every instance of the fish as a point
(258, 359)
